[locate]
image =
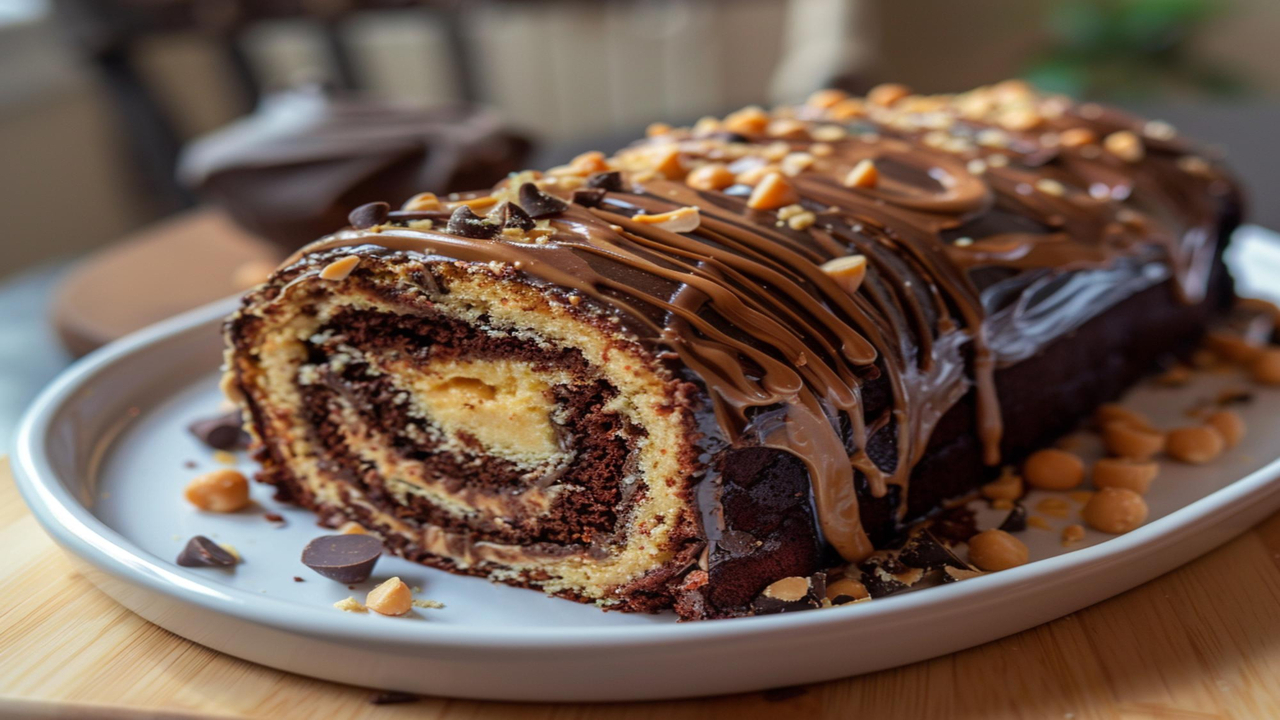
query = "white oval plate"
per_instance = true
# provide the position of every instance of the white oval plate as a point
(103, 456)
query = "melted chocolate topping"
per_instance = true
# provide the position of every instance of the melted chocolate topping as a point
(991, 222)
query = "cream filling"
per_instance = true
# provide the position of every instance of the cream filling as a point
(516, 310)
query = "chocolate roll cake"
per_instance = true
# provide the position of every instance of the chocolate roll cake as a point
(732, 353)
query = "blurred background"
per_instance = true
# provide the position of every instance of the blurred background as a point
(99, 98)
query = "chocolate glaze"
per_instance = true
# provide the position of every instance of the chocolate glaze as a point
(969, 268)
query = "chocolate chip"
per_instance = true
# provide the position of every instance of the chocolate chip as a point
(927, 552)
(589, 197)
(1016, 520)
(344, 558)
(511, 216)
(610, 181)
(368, 215)
(393, 697)
(884, 576)
(203, 552)
(539, 204)
(223, 432)
(738, 542)
(791, 594)
(466, 223)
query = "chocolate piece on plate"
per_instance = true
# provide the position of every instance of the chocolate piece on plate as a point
(200, 551)
(344, 558)
(221, 432)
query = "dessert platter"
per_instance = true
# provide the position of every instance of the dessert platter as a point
(781, 397)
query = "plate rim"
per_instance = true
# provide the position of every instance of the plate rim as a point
(79, 531)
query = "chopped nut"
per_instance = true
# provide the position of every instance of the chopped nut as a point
(788, 589)
(222, 491)
(428, 604)
(1077, 137)
(670, 165)
(685, 219)
(803, 221)
(1159, 130)
(1020, 119)
(747, 121)
(847, 109)
(754, 175)
(590, 162)
(825, 98)
(1229, 425)
(713, 176)
(790, 211)
(789, 129)
(1125, 145)
(1115, 510)
(1049, 186)
(350, 605)
(422, 202)
(829, 133)
(339, 269)
(352, 527)
(795, 163)
(1266, 367)
(707, 126)
(1135, 475)
(481, 202)
(863, 175)
(1129, 441)
(773, 192)
(994, 550)
(392, 597)
(1053, 469)
(1194, 445)
(1111, 412)
(1072, 534)
(847, 271)
(887, 94)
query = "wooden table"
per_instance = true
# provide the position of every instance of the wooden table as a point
(1200, 642)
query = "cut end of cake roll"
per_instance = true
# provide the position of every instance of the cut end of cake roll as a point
(474, 422)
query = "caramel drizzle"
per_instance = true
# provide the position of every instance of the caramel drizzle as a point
(747, 308)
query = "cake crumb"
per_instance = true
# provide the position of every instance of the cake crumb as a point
(349, 605)
(429, 604)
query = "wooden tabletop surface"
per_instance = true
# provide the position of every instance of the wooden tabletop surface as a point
(1200, 642)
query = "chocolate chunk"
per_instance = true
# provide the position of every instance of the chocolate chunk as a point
(511, 216)
(927, 552)
(368, 215)
(223, 432)
(539, 204)
(466, 223)
(609, 181)
(1016, 520)
(344, 558)
(589, 197)
(885, 576)
(791, 594)
(393, 697)
(203, 552)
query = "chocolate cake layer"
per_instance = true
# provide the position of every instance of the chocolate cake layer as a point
(732, 353)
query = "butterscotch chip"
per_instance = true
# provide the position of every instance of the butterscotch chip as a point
(1266, 367)
(795, 163)
(339, 269)
(829, 134)
(1007, 487)
(1128, 441)
(747, 121)
(825, 98)
(1072, 533)
(887, 94)
(847, 590)
(847, 109)
(222, 491)
(670, 165)
(847, 271)
(772, 193)
(1053, 469)
(1115, 510)
(422, 202)
(1076, 137)
(994, 550)
(392, 597)
(863, 175)
(685, 219)
(352, 527)
(1111, 412)
(753, 176)
(713, 176)
(1125, 145)
(1135, 475)
(1229, 425)
(1195, 445)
